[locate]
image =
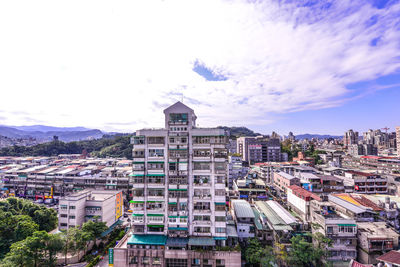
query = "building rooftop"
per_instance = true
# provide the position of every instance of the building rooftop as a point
(347, 205)
(242, 209)
(277, 223)
(391, 257)
(156, 240)
(286, 175)
(299, 191)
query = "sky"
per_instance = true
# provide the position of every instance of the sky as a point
(273, 65)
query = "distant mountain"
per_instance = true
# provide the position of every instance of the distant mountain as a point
(64, 134)
(44, 128)
(319, 136)
(239, 131)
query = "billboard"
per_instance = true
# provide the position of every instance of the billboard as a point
(118, 205)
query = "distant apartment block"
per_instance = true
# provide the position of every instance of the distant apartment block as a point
(74, 210)
(350, 138)
(259, 149)
(398, 140)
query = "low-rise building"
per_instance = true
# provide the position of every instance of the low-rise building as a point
(299, 200)
(368, 183)
(342, 231)
(244, 217)
(75, 209)
(283, 180)
(375, 239)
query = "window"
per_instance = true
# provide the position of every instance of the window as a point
(156, 260)
(133, 260)
(220, 230)
(220, 218)
(220, 192)
(178, 117)
(329, 230)
(71, 207)
(63, 215)
(220, 166)
(63, 224)
(196, 262)
(176, 262)
(203, 166)
(156, 152)
(145, 260)
(72, 217)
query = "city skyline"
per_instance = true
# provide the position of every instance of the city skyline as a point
(316, 67)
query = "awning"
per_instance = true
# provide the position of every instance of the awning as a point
(137, 215)
(178, 228)
(220, 203)
(177, 216)
(138, 162)
(174, 189)
(135, 175)
(157, 240)
(154, 201)
(155, 225)
(134, 201)
(155, 162)
(219, 238)
(172, 203)
(347, 225)
(201, 241)
(155, 175)
(155, 215)
(111, 228)
(177, 242)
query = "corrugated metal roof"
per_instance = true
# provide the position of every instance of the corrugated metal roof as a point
(273, 218)
(242, 209)
(347, 205)
(284, 214)
(177, 241)
(231, 231)
(201, 241)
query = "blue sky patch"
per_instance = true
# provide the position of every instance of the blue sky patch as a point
(207, 73)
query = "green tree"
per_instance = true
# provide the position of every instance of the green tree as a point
(53, 244)
(25, 227)
(36, 245)
(321, 243)
(259, 255)
(301, 252)
(18, 256)
(94, 228)
(80, 239)
(46, 219)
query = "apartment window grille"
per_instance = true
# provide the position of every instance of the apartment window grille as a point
(156, 152)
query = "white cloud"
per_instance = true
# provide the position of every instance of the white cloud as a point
(113, 65)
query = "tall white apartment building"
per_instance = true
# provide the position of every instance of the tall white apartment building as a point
(179, 179)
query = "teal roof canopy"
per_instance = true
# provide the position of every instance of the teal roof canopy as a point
(156, 240)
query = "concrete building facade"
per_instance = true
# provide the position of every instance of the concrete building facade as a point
(78, 208)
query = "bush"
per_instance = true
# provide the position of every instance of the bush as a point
(94, 262)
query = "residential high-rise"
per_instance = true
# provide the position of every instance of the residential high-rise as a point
(179, 178)
(398, 140)
(179, 202)
(350, 138)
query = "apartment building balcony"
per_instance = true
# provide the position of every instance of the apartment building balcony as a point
(177, 173)
(140, 158)
(220, 159)
(201, 158)
(202, 233)
(155, 198)
(137, 198)
(208, 184)
(201, 212)
(220, 199)
(202, 197)
(200, 223)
